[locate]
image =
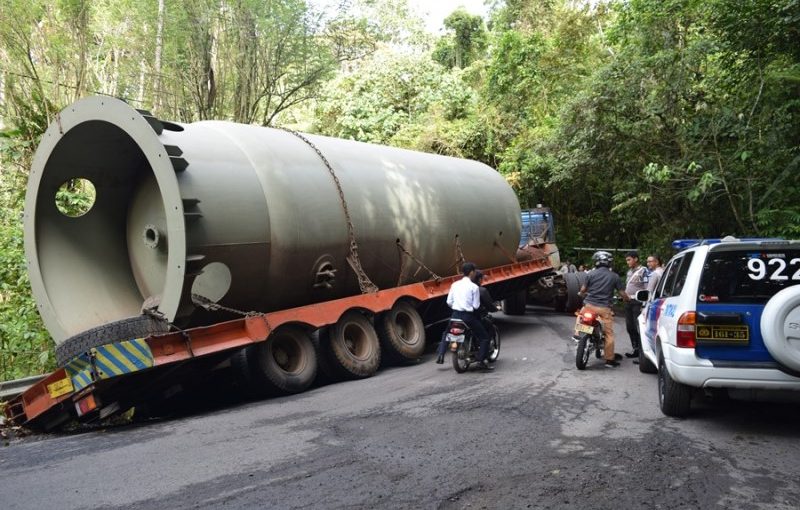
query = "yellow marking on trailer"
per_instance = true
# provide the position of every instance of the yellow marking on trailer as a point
(60, 387)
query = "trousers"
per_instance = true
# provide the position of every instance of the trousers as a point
(632, 310)
(607, 318)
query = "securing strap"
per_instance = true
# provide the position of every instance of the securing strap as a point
(418, 261)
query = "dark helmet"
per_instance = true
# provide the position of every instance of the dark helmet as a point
(602, 258)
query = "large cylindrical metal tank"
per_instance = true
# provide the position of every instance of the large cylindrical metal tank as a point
(246, 216)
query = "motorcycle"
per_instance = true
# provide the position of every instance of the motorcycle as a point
(465, 346)
(591, 337)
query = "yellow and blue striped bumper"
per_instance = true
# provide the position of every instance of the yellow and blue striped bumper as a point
(108, 361)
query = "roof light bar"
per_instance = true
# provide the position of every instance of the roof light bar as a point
(682, 244)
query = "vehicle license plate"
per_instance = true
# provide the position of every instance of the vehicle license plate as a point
(584, 328)
(455, 338)
(723, 334)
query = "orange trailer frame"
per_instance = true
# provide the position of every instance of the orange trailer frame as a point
(56, 394)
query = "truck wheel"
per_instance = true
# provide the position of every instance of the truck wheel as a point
(327, 367)
(353, 345)
(287, 360)
(401, 332)
(674, 398)
(117, 331)
(573, 300)
(515, 303)
(285, 364)
(559, 303)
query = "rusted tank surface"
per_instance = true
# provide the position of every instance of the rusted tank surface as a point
(246, 216)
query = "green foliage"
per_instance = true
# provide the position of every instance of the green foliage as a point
(392, 93)
(637, 121)
(25, 346)
(465, 41)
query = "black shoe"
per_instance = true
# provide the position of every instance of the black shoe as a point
(440, 359)
(617, 356)
(634, 354)
(636, 361)
(484, 366)
(612, 364)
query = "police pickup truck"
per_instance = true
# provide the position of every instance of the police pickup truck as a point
(725, 314)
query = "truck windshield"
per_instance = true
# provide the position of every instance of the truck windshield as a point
(748, 276)
(537, 224)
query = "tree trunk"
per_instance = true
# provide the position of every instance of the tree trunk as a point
(159, 49)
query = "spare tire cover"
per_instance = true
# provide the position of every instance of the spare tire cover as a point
(780, 327)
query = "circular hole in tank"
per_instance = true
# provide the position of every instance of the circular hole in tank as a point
(151, 236)
(214, 282)
(75, 197)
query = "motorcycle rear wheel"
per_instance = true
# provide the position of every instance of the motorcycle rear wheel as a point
(461, 357)
(582, 354)
(494, 344)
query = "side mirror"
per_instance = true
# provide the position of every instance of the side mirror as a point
(642, 295)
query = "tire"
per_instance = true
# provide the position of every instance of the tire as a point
(285, 364)
(573, 300)
(645, 365)
(560, 304)
(240, 363)
(126, 329)
(401, 333)
(674, 398)
(327, 368)
(494, 345)
(515, 303)
(353, 346)
(779, 339)
(461, 357)
(582, 354)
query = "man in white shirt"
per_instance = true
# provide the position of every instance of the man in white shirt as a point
(464, 299)
(656, 269)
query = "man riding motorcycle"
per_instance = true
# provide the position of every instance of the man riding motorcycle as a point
(464, 300)
(598, 293)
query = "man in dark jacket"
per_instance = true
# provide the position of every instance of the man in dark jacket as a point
(598, 294)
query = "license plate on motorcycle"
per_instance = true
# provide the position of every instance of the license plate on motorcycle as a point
(583, 328)
(455, 338)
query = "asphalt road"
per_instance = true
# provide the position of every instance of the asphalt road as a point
(535, 433)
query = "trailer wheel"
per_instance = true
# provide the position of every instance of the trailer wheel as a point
(327, 368)
(285, 364)
(515, 303)
(401, 332)
(117, 331)
(560, 303)
(573, 284)
(287, 360)
(353, 345)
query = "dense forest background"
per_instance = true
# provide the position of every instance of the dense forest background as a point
(636, 121)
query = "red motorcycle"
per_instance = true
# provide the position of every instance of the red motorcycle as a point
(591, 337)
